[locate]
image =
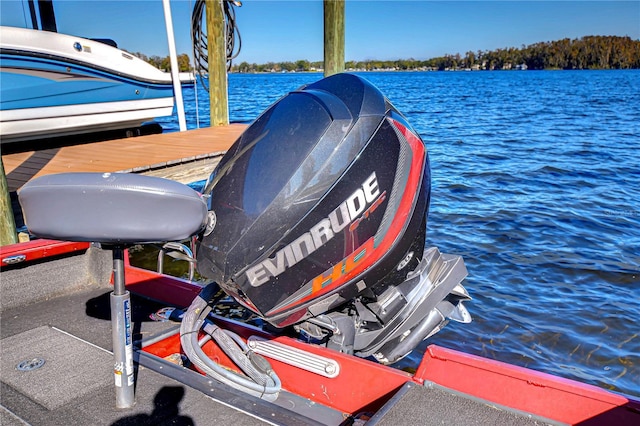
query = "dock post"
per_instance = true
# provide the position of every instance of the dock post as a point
(333, 37)
(217, 54)
(8, 233)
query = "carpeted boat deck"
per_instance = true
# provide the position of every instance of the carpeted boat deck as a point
(434, 405)
(74, 385)
(52, 367)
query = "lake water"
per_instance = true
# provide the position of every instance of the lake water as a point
(536, 183)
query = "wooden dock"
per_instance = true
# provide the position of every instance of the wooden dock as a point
(183, 156)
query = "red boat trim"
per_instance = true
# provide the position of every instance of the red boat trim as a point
(358, 388)
(30, 251)
(520, 388)
(163, 288)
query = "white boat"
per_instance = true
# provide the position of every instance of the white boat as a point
(54, 84)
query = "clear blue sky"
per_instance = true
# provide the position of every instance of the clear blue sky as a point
(291, 30)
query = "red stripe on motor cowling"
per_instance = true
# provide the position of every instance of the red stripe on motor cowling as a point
(398, 223)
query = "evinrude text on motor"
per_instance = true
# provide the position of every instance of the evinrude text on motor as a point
(317, 220)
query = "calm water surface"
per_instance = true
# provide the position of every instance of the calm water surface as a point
(536, 183)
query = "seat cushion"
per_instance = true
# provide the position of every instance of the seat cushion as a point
(111, 208)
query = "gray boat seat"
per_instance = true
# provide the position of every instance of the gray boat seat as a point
(111, 208)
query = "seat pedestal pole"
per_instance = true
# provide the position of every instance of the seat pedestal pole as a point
(122, 334)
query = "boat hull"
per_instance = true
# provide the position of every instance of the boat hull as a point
(448, 386)
(37, 123)
(56, 85)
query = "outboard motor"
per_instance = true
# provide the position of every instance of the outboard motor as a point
(317, 220)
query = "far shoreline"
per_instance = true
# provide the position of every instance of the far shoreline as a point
(429, 71)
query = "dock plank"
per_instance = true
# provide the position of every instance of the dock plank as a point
(138, 154)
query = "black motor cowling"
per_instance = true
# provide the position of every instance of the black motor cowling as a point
(321, 203)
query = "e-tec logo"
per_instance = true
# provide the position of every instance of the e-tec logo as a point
(318, 235)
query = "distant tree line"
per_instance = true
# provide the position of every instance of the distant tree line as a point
(590, 52)
(164, 64)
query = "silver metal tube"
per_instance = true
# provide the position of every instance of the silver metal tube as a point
(188, 256)
(121, 331)
(173, 57)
